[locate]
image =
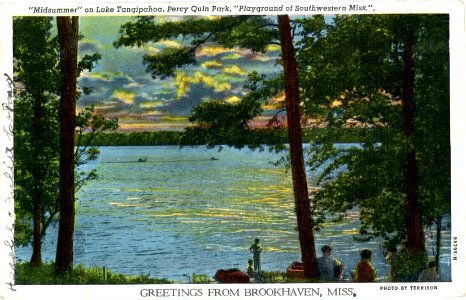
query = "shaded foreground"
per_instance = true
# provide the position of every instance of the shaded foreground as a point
(27, 275)
(45, 274)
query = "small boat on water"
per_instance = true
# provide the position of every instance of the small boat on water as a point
(231, 276)
(142, 159)
(295, 270)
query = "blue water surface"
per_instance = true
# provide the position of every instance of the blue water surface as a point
(171, 212)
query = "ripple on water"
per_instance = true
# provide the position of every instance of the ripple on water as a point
(173, 219)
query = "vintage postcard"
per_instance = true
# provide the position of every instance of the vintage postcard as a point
(232, 149)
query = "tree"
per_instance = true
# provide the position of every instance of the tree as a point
(251, 32)
(36, 59)
(37, 138)
(415, 231)
(68, 41)
(432, 138)
(303, 209)
(371, 71)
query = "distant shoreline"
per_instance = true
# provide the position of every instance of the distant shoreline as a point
(256, 137)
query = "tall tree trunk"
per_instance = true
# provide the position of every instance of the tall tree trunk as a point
(68, 40)
(302, 203)
(415, 230)
(36, 259)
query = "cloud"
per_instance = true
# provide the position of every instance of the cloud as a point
(273, 48)
(236, 70)
(238, 54)
(276, 102)
(109, 108)
(105, 76)
(212, 64)
(198, 93)
(212, 51)
(184, 81)
(87, 46)
(234, 80)
(231, 56)
(150, 50)
(232, 99)
(125, 96)
(123, 88)
(170, 44)
(152, 104)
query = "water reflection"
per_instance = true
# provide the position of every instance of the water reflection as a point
(180, 212)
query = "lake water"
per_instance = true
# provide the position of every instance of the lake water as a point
(197, 210)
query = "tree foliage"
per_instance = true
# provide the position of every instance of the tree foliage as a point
(218, 122)
(23, 137)
(221, 123)
(354, 71)
(252, 32)
(38, 76)
(35, 55)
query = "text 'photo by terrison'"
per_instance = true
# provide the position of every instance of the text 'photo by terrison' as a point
(232, 149)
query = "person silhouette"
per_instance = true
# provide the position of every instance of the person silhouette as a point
(365, 271)
(256, 250)
(250, 268)
(330, 268)
(430, 274)
(392, 258)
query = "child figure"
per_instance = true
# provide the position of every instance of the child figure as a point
(256, 250)
(249, 269)
(365, 271)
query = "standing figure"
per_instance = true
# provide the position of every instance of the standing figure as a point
(330, 269)
(256, 251)
(430, 274)
(365, 271)
(391, 258)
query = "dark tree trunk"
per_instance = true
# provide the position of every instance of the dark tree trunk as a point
(438, 243)
(302, 203)
(36, 259)
(68, 40)
(415, 230)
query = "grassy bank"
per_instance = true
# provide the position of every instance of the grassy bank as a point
(25, 274)
(45, 275)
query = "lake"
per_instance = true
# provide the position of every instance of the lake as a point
(172, 212)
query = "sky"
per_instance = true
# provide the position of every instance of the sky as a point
(123, 89)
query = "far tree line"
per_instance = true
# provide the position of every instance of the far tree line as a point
(384, 71)
(272, 136)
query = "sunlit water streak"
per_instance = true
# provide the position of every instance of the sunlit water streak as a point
(181, 212)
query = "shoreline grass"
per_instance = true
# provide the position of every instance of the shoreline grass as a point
(81, 275)
(44, 275)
